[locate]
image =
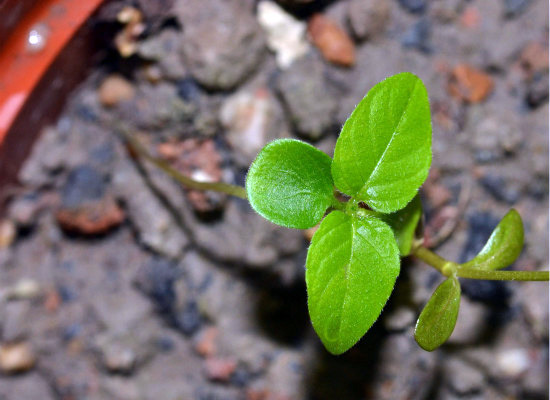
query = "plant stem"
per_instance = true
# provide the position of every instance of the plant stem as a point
(430, 258)
(439, 263)
(233, 190)
(471, 273)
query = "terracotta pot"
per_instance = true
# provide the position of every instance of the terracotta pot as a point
(45, 47)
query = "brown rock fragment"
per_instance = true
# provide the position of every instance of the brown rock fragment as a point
(115, 89)
(91, 218)
(469, 84)
(219, 369)
(333, 42)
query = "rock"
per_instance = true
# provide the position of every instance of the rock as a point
(24, 209)
(492, 133)
(117, 359)
(24, 289)
(95, 218)
(501, 190)
(513, 8)
(463, 378)
(401, 355)
(205, 344)
(84, 183)
(470, 17)
(512, 363)
(222, 43)
(159, 108)
(400, 319)
(368, 18)
(7, 233)
(156, 279)
(469, 84)
(533, 58)
(414, 6)
(52, 301)
(306, 95)
(285, 34)
(16, 358)
(219, 369)
(188, 320)
(333, 42)
(86, 208)
(418, 36)
(252, 119)
(200, 160)
(115, 89)
(164, 49)
(133, 26)
(537, 90)
(155, 226)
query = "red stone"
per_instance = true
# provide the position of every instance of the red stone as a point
(92, 218)
(219, 369)
(469, 84)
(334, 43)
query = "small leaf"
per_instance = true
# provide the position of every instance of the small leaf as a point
(290, 184)
(384, 153)
(351, 268)
(503, 247)
(438, 319)
(404, 223)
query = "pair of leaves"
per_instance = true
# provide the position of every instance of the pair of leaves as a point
(381, 158)
(438, 319)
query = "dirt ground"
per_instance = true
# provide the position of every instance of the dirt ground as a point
(116, 283)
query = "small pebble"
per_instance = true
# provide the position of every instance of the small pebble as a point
(333, 42)
(414, 6)
(189, 320)
(285, 34)
(219, 369)
(7, 233)
(418, 36)
(469, 84)
(513, 362)
(206, 342)
(16, 358)
(24, 289)
(368, 18)
(513, 8)
(500, 189)
(114, 90)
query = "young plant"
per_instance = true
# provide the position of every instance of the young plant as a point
(381, 159)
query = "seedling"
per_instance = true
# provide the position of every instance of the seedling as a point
(367, 204)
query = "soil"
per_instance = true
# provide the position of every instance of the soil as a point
(117, 283)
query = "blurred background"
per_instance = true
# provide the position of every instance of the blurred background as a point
(116, 283)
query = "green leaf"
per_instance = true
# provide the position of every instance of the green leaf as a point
(351, 268)
(503, 247)
(438, 319)
(290, 184)
(404, 223)
(383, 153)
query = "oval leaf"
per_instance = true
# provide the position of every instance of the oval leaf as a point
(503, 247)
(404, 223)
(351, 268)
(290, 184)
(384, 153)
(438, 319)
